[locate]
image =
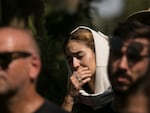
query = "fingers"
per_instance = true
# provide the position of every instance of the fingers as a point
(83, 82)
(80, 77)
(75, 82)
(83, 73)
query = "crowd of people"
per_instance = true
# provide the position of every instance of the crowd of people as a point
(105, 74)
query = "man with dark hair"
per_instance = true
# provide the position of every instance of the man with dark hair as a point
(129, 60)
(20, 65)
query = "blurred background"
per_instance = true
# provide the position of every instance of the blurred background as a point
(51, 22)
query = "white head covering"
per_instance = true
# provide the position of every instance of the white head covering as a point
(102, 84)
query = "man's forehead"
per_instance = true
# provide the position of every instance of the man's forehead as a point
(12, 40)
(138, 46)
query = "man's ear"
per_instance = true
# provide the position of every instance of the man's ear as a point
(35, 67)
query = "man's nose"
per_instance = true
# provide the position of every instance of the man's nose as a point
(76, 63)
(123, 64)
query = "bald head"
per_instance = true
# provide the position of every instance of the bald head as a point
(16, 39)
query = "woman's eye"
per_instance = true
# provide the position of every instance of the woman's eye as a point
(79, 57)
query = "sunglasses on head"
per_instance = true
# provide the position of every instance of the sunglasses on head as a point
(7, 57)
(133, 52)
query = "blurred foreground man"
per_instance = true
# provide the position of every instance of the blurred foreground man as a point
(19, 68)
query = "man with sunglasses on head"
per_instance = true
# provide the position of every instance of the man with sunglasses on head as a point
(129, 61)
(19, 68)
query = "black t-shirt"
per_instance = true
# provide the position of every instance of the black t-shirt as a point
(81, 108)
(106, 109)
(49, 107)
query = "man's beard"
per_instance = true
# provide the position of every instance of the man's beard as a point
(122, 73)
(120, 88)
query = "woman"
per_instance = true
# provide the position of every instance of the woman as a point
(87, 54)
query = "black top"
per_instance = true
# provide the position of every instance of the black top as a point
(49, 107)
(106, 109)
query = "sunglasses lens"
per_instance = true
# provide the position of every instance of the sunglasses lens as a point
(134, 51)
(5, 59)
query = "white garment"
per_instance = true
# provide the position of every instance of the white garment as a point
(103, 92)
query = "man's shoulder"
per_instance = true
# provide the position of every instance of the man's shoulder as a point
(49, 107)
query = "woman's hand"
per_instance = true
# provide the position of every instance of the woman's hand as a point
(80, 77)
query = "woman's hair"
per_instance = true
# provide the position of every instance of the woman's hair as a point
(82, 35)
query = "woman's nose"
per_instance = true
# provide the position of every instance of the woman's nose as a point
(76, 62)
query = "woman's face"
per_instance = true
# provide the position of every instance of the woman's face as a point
(79, 56)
